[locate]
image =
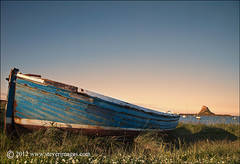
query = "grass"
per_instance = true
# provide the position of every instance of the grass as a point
(188, 143)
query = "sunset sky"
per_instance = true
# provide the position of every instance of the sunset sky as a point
(173, 56)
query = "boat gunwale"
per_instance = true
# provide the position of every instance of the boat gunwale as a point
(97, 96)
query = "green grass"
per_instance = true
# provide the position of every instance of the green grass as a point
(188, 143)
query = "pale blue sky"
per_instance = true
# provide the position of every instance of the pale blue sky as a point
(160, 47)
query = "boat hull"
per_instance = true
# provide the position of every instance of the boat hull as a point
(40, 103)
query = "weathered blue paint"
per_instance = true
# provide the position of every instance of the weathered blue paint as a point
(38, 101)
(11, 93)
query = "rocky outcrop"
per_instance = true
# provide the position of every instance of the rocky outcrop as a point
(205, 111)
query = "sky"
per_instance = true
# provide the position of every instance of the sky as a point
(174, 56)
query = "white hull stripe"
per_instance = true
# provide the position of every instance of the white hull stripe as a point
(39, 80)
(45, 123)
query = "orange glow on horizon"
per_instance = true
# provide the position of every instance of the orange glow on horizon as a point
(183, 96)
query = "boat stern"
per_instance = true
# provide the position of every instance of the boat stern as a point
(10, 106)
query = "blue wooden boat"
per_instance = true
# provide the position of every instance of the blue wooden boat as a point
(35, 102)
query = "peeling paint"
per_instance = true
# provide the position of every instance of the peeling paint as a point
(43, 102)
